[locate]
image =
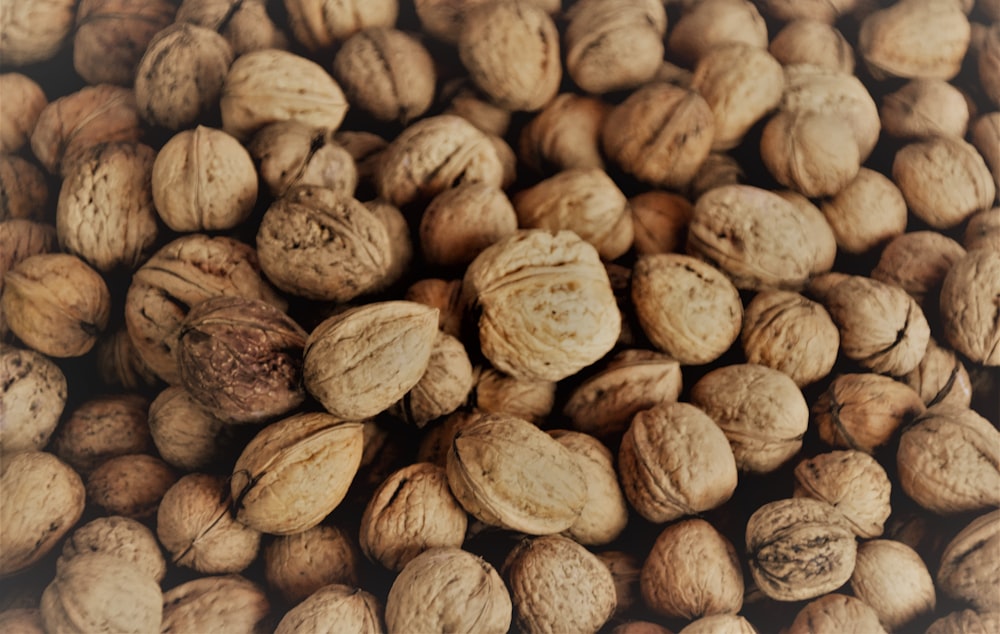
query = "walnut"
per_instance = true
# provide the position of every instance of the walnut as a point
(925, 108)
(719, 624)
(350, 608)
(968, 306)
(583, 200)
(707, 25)
(863, 411)
(677, 585)
(806, 40)
(131, 485)
(626, 568)
(32, 397)
(836, 613)
(949, 460)
(448, 588)
(295, 472)
(558, 585)
(32, 31)
(866, 212)
(989, 58)
(319, 24)
(943, 202)
(105, 212)
(661, 134)
(111, 35)
(917, 262)
(983, 230)
(462, 221)
(23, 190)
(466, 101)
(195, 525)
(640, 627)
(23, 100)
(565, 134)
(56, 304)
(799, 548)
(216, 604)
(612, 45)
(43, 499)
(941, 377)
(826, 11)
(893, 579)
(271, 85)
(97, 591)
(101, 428)
(182, 273)
(21, 239)
(445, 296)
(968, 570)
(298, 565)
(508, 473)
(825, 243)
(984, 134)
(605, 513)
(660, 219)
(22, 621)
(761, 411)
(292, 153)
(444, 386)
(814, 153)
(966, 622)
(498, 393)
(389, 345)
(71, 124)
(718, 169)
(401, 244)
(185, 435)
(852, 482)
(245, 24)
(120, 537)
(915, 39)
(119, 363)
(674, 461)
(511, 50)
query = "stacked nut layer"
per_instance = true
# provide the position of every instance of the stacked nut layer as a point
(500, 316)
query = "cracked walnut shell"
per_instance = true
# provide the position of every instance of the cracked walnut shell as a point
(863, 411)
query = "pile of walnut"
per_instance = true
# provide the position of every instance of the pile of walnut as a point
(424, 316)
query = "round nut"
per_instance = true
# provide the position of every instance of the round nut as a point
(24, 100)
(915, 39)
(852, 482)
(443, 388)
(111, 35)
(925, 108)
(893, 579)
(941, 377)
(300, 564)
(291, 153)
(660, 220)
(966, 622)
(605, 514)
(21, 239)
(352, 609)
(131, 485)
(319, 24)
(863, 411)
(216, 604)
(808, 40)
(120, 537)
(968, 570)
(35, 31)
(968, 306)
(917, 262)
(32, 398)
(814, 153)
(497, 393)
(102, 428)
(866, 212)
(245, 25)
(565, 134)
(707, 25)
(836, 613)
(462, 221)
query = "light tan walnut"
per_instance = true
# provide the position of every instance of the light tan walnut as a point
(966, 622)
(983, 228)
(893, 579)
(101, 428)
(111, 35)
(866, 212)
(626, 568)
(565, 134)
(640, 627)
(718, 169)
(319, 24)
(19, 240)
(34, 31)
(23, 190)
(719, 624)
(605, 514)
(444, 386)
(466, 101)
(216, 604)
(969, 306)
(863, 411)
(32, 398)
(808, 40)
(925, 108)
(813, 153)
(987, 63)
(291, 153)
(852, 482)
(348, 608)
(941, 377)
(461, 221)
(709, 24)
(915, 39)
(836, 613)
(498, 393)
(297, 565)
(245, 24)
(917, 262)
(24, 100)
(120, 537)
(827, 11)
(968, 570)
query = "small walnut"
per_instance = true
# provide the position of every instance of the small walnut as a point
(351, 609)
(23, 101)
(400, 241)
(185, 435)
(447, 588)
(23, 189)
(987, 63)
(566, 134)
(969, 306)
(508, 473)
(679, 584)
(319, 24)
(799, 548)
(445, 296)
(807, 40)
(120, 537)
(56, 304)
(100, 592)
(292, 153)
(941, 377)
(674, 461)
(557, 585)
(852, 482)
(497, 393)
(925, 108)
(836, 613)
(462, 221)
(444, 386)
(966, 622)
(984, 135)
(761, 411)
(866, 212)
(813, 153)
(32, 398)
(917, 262)
(983, 228)
(111, 35)
(245, 24)
(863, 411)
(43, 499)
(298, 565)
(295, 472)
(626, 568)
(969, 570)
(707, 25)
(216, 604)
(271, 85)
(101, 428)
(33, 31)
(893, 579)
(119, 364)
(511, 50)
(613, 45)
(131, 485)
(949, 460)
(661, 134)
(660, 219)
(605, 513)
(195, 525)
(915, 39)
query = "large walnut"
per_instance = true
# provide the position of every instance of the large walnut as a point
(969, 306)
(852, 482)
(297, 565)
(925, 108)
(915, 39)
(863, 411)
(216, 604)
(969, 570)
(32, 398)
(347, 608)
(33, 31)
(866, 212)
(917, 262)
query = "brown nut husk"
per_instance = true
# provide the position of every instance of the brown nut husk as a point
(448, 588)
(35, 31)
(462, 221)
(799, 548)
(497, 393)
(291, 153)
(605, 514)
(32, 398)
(677, 585)
(917, 262)
(216, 604)
(807, 40)
(925, 108)
(300, 564)
(508, 473)
(101, 428)
(120, 537)
(444, 386)
(24, 100)
(968, 306)
(941, 377)
(893, 579)
(813, 153)
(111, 35)
(706, 25)
(23, 189)
(866, 212)
(295, 472)
(852, 482)
(923, 39)
(565, 134)
(56, 304)
(131, 485)
(350, 608)
(544, 304)
(863, 411)
(43, 499)
(319, 24)
(969, 570)
(836, 613)
(241, 359)
(660, 219)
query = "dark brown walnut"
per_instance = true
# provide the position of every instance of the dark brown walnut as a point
(245, 24)
(23, 190)
(196, 527)
(941, 377)
(186, 436)
(626, 568)
(56, 304)
(101, 428)
(111, 35)
(707, 25)
(925, 108)
(351, 608)
(445, 296)
(866, 212)
(105, 212)
(565, 134)
(119, 363)
(444, 386)
(806, 40)
(461, 221)
(296, 566)
(295, 472)
(984, 133)
(969, 306)
(32, 397)
(466, 101)
(182, 273)
(241, 359)
(836, 613)
(319, 24)
(968, 570)
(966, 622)
(216, 604)
(852, 482)
(613, 45)
(69, 125)
(291, 153)
(35, 31)
(19, 240)
(813, 153)
(677, 585)
(863, 411)
(987, 63)
(893, 579)
(915, 39)
(43, 499)
(661, 134)
(605, 514)
(949, 460)
(762, 412)
(131, 485)
(917, 262)
(120, 537)
(24, 100)
(498, 393)
(799, 548)
(387, 73)
(660, 221)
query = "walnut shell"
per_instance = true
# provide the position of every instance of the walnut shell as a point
(245, 24)
(445, 296)
(43, 499)
(719, 624)
(131, 485)
(836, 613)
(450, 589)
(807, 40)
(24, 100)
(35, 31)
(660, 219)
(799, 548)
(216, 604)
(462, 221)
(707, 25)
(826, 11)
(119, 363)
(852, 482)
(915, 39)
(298, 565)
(292, 153)
(925, 108)
(605, 514)
(984, 134)
(341, 606)
(111, 35)
(444, 386)
(983, 229)
(101, 428)
(866, 212)
(966, 622)
(319, 24)
(625, 568)
(295, 472)
(23, 189)
(813, 153)
(32, 398)
(863, 411)
(917, 262)
(469, 103)
(22, 621)
(640, 627)
(941, 377)
(989, 58)
(718, 169)
(497, 393)
(968, 306)
(565, 134)
(893, 579)
(678, 586)
(21, 239)
(969, 570)
(120, 537)
(400, 242)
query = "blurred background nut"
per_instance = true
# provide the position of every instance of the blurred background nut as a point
(461, 221)
(808, 40)
(297, 565)
(23, 190)
(706, 25)
(984, 135)
(351, 608)
(401, 249)
(605, 514)
(245, 24)
(718, 169)
(111, 35)
(216, 603)
(863, 411)
(32, 398)
(924, 108)
(852, 482)
(498, 393)
(23, 100)
(565, 134)
(917, 262)
(719, 624)
(120, 537)
(119, 363)
(444, 386)
(33, 31)
(466, 101)
(820, 10)
(893, 579)
(813, 153)
(319, 24)
(660, 220)
(131, 485)
(20, 239)
(968, 306)
(101, 428)
(625, 568)
(941, 377)
(836, 613)
(186, 436)
(965, 622)
(924, 39)
(983, 229)
(444, 295)
(866, 212)
(969, 571)
(824, 241)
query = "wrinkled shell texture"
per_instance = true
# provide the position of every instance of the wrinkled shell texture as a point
(917, 262)
(318, 24)
(444, 386)
(941, 377)
(291, 153)
(120, 537)
(605, 514)
(131, 485)
(852, 482)
(866, 212)
(32, 398)
(813, 153)
(186, 436)
(915, 39)
(969, 306)
(863, 411)
(565, 134)
(298, 565)
(101, 428)
(836, 613)
(811, 41)
(968, 569)
(348, 608)
(34, 31)
(216, 604)
(925, 108)
(459, 223)
(893, 579)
